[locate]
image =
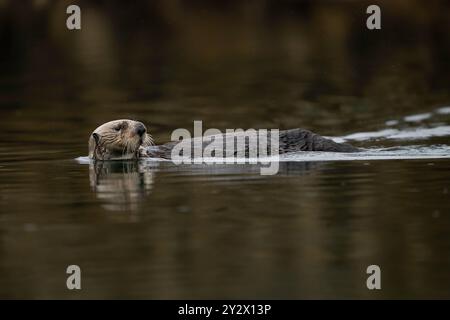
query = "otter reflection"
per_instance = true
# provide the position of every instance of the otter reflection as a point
(124, 185)
(121, 185)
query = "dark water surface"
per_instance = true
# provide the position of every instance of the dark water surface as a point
(156, 230)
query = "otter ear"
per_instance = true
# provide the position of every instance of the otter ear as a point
(96, 138)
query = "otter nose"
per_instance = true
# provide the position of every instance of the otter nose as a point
(140, 129)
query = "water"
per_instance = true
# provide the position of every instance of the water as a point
(151, 229)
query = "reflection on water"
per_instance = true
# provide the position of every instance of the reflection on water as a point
(121, 184)
(124, 185)
(155, 230)
(226, 231)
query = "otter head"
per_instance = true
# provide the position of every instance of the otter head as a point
(118, 140)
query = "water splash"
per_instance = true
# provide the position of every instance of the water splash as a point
(423, 129)
(418, 133)
(393, 153)
(443, 110)
(417, 117)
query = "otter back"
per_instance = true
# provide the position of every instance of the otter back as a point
(293, 140)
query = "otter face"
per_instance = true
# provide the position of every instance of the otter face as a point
(118, 140)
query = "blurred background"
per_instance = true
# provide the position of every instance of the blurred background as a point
(156, 231)
(231, 64)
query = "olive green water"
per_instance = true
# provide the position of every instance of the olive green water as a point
(156, 230)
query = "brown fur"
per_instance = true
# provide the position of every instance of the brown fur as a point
(118, 140)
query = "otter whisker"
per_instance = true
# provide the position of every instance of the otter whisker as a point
(148, 141)
(125, 148)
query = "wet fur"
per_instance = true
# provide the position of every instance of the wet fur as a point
(117, 140)
(108, 143)
(292, 140)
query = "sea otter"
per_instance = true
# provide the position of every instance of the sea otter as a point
(128, 139)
